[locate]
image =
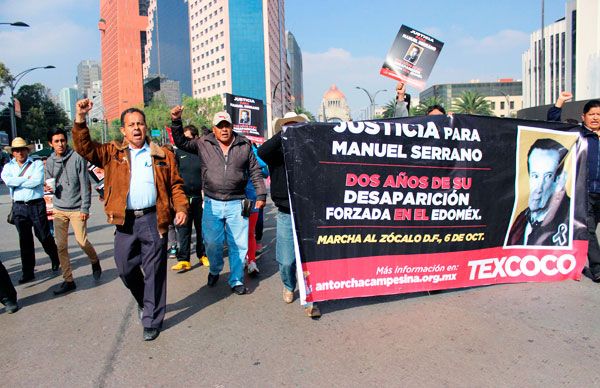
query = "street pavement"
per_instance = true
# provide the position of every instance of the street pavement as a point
(528, 335)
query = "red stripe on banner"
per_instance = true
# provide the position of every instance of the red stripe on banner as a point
(385, 275)
(400, 226)
(409, 166)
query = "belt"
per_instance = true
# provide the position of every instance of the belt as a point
(32, 202)
(137, 213)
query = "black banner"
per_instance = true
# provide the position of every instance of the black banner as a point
(449, 194)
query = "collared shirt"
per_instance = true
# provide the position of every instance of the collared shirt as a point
(28, 187)
(142, 190)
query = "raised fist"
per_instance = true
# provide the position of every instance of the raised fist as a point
(176, 112)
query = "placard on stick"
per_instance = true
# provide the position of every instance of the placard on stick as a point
(411, 57)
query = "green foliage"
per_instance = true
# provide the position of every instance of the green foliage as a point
(5, 77)
(200, 111)
(390, 109)
(39, 113)
(421, 109)
(472, 103)
(114, 131)
(158, 114)
(301, 110)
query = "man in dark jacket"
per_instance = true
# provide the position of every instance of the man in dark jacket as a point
(71, 205)
(272, 153)
(227, 160)
(590, 130)
(190, 170)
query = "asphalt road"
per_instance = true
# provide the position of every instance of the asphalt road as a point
(531, 334)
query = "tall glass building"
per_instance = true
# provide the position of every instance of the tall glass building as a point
(167, 49)
(239, 47)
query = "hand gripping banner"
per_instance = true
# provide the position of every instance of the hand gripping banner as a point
(434, 202)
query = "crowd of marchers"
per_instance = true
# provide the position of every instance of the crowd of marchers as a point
(214, 182)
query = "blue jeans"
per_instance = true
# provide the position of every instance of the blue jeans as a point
(222, 218)
(284, 250)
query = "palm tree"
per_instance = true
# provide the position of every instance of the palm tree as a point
(300, 110)
(390, 109)
(472, 103)
(421, 109)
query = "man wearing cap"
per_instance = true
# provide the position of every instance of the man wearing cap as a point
(227, 161)
(272, 153)
(142, 189)
(25, 179)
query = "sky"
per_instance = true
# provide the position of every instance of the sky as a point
(343, 42)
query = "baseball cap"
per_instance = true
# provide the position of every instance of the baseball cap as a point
(221, 116)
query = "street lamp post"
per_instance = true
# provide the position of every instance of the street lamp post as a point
(372, 99)
(12, 85)
(16, 24)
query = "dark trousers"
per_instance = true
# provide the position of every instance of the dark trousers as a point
(184, 232)
(592, 220)
(7, 290)
(29, 216)
(258, 232)
(141, 259)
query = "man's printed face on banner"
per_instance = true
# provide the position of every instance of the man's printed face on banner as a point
(542, 177)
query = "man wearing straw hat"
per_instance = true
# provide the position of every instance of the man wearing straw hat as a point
(25, 179)
(272, 153)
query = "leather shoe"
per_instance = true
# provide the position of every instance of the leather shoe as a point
(96, 271)
(10, 306)
(65, 287)
(239, 289)
(212, 279)
(26, 279)
(150, 333)
(55, 267)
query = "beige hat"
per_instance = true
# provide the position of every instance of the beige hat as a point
(18, 142)
(289, 117)
(221, 116)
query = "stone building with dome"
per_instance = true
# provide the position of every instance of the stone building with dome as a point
(334, 107)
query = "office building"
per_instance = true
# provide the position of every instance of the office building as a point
(294, 59)
(67, 99)
(162, 88)
(88, 72)
(505, 95)
(569, 54)
(122, 28)
(167, 49)
(238, 47)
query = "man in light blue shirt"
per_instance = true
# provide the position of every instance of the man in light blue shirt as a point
(142, 191)
(25, 179)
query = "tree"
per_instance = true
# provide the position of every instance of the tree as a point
(389, 109)
(158, 114)
(472, 103)
(39, 113)
(200, 111)
(5, 77)
(300, 110)
(421, 109)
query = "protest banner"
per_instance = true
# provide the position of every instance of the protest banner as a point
(434, 202)
(247, 116)
(411, 57)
